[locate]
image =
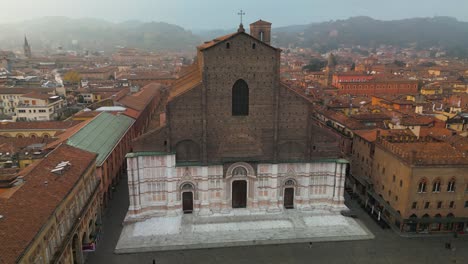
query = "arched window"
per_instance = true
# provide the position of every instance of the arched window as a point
(261, 35)
(451, 186)
(240, 98)
(228, 45)
(436, 186)
(422, 186)
(254, 45)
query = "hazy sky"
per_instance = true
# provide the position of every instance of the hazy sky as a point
(208, 14)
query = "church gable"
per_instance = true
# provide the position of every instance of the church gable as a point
(239, 53)
(229, 41)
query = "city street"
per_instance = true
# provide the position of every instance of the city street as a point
(387, 247)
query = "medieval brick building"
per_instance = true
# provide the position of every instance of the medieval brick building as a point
(235, 137)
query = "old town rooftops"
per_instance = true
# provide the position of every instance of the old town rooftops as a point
(30, 207)
(139, 100)
(371, 135)
(20, 90)
(423, 150)
(39, 125)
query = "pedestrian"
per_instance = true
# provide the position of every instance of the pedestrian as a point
(310, 244)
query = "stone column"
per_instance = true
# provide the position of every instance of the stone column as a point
(204, 185)
(173, 205)
(134, 185)
(255, 194)
(303, 184)
(273, 195)
(340, 170)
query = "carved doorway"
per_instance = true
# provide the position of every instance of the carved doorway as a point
(289, 198)
(239, 194)
(187, 202)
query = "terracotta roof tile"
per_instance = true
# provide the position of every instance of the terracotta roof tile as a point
(29, 208)
(371, 135)
(187, 82)
(140, 100)
(45, 125)
(215, 41)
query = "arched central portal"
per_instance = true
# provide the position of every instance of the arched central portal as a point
(239, 194)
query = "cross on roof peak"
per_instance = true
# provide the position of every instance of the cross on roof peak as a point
(241, 13)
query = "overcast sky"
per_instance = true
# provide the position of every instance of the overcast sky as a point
(211, 14)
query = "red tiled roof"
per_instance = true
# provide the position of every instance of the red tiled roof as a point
(215, 41)
(20, 90)
(86, 114)
(371, 135)
(39, 125)
(31, 206)
(140, 100)
(13, 145)
(36, 95)
(142, 75)
(132, 113)
(417, 120)
(187, 82)
(435, 132)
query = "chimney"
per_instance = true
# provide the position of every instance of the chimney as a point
(261, 30)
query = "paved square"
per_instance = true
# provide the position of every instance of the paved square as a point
(386, 248)
(192, 232)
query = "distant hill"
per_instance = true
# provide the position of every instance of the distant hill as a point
(94, 34)
(443, 32)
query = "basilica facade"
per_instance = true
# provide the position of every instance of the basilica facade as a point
(234, 138)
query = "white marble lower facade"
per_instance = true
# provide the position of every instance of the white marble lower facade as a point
(159, 187)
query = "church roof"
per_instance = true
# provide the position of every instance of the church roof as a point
(216, 41)
(208, 44)
(186, 82)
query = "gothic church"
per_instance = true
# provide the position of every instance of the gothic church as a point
(235, 138)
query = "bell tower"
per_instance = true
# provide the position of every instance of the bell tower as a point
(261, 30)
(27, 48)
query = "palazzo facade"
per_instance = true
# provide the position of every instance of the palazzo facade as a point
(233, 136)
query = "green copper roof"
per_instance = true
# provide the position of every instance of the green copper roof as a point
(101, 135)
